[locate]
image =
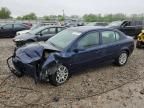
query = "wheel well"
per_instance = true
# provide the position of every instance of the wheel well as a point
(126, 51)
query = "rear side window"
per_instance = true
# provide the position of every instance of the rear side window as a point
(110, 36)
(89, 40)
(18, 26)
(117, 36)
(52, 30)
(136, 23)
(49, 31)
(7, 26)
(59, 29)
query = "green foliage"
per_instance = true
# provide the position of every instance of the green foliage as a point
(90, 17)
(47, 18)
(60, 18)
(106, 18)
(5, 13)
(19, 18)
(30, 16)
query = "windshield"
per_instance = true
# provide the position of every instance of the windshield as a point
(37, 30)
(36, 26)
(115, 23)
(64, 38)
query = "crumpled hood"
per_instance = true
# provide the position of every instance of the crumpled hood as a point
(24, 36)
(33, 52)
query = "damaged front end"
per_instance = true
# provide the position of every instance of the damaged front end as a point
(30, 60)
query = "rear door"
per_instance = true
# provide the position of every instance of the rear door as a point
(110, 44)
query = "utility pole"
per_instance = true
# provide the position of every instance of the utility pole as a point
(63, 14)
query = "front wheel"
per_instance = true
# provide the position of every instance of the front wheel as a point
(122, 58)
(60, 76)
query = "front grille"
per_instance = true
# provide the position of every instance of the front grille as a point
(20, 43)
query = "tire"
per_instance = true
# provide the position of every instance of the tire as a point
(122, 58)
(60, 76)
(138, 44)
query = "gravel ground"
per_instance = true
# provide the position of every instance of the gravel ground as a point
(106, 86)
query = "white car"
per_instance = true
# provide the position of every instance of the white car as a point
(33, 27)
(22, 32)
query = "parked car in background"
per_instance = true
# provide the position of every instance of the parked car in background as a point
(39, 34)
(32, 28)
(9, 30)
(28, 23)
(131, 28)
(55, 59)
(140, 40)
(97, 24)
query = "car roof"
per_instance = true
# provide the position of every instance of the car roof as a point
(89, 28)
(49, 26)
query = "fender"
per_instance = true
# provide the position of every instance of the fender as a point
(49, 63)
(125, 49)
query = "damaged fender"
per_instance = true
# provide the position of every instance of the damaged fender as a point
(50, 64)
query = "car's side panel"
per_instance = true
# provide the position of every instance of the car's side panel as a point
(6, 32)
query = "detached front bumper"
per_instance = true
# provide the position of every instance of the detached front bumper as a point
(18, 68)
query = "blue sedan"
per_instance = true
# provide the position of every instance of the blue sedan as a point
(70, 49)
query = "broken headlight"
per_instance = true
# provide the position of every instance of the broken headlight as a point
(46, 54)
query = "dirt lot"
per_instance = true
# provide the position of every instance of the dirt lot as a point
(103, 87)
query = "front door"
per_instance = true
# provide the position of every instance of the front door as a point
(87, 50)
(47, 33)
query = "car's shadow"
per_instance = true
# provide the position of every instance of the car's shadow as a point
(91, 68)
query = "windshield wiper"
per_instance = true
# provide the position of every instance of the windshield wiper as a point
(55, 45)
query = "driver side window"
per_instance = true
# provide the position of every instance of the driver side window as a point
(49, 31)
(89, 40)
(46, 31)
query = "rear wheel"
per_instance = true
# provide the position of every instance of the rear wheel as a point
(122, 58)
(60, 76)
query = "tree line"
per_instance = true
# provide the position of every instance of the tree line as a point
(5, 13)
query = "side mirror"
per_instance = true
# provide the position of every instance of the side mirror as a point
(2, 28)
(39, 34)
(76, 50)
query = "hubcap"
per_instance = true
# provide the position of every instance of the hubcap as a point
(123, 58)
(62, 74)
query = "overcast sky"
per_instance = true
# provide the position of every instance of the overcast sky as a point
(73, 7)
